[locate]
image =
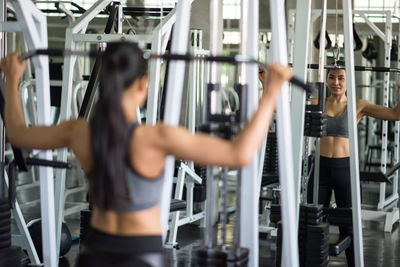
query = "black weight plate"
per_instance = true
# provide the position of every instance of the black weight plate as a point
(5, 236)
(85, 220)
(5, 244)
(314, 214)
(210, 262)
(5, 229)
(211, 254)
(13, 250)
(322, 228)
(4, 207)
(311, 262)
(5, 215)
(316, 240)
(11, 256)
(318, 259)
(5, 222)
(3, 200)
(323, 250)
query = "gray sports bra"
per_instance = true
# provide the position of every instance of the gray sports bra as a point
(337, 126)
(143, 193)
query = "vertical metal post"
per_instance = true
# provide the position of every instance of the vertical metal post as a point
(288, 201)
(3, 49)
(34, 27)
(65, 113)
(174, 97)
(193, 86)
(250, 189)
(158, 46)
(213, 85)
(352, 121)
(397, 130)
(385, 97)
(215, 37)
(208, 233)
(120, 18)
(321, 78)
(298, 99)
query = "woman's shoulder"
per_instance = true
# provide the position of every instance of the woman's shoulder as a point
(80, 125)
(362, 103)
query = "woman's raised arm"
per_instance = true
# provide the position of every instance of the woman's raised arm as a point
(41, 137)
(208, 150)
(367, 108)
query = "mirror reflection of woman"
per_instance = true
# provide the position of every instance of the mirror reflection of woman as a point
(334, 172)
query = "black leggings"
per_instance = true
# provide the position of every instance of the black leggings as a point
(102, 249)
(334, 174)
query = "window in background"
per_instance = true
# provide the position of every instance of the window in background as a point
(159, 3)
(378, 5)
(231, 9)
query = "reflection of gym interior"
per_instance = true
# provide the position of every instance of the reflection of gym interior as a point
(205, 59)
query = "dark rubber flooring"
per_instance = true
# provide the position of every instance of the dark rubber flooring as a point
(380, 249)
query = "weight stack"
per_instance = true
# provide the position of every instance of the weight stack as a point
(275, 215)
(278, 255)
(5, 224)
(271, 155)
(85, 223)
(207, 257)
(315, 124)
(222, 257)
(313, 237)
(9, 255)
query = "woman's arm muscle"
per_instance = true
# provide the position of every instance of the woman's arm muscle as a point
(210, 150)
(367, 108)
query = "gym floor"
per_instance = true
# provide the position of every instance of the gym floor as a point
(380, 248)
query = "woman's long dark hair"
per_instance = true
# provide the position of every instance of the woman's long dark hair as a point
(122, 64)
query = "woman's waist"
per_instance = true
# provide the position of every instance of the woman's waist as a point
(139, 223)
(334, 147)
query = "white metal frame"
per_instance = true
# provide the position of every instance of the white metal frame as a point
(352, 123)
(300, 46)
(290, 255)
(250, 181)
(75, 34)
(174, 98)
(33, 25)
(186, 175)
(188, 178)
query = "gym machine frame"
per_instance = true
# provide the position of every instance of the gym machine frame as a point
(75, 34)
(290, 255)
(186, 175)
(33, 25)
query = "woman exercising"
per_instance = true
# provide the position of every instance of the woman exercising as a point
(334, 147)
(124, 161)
